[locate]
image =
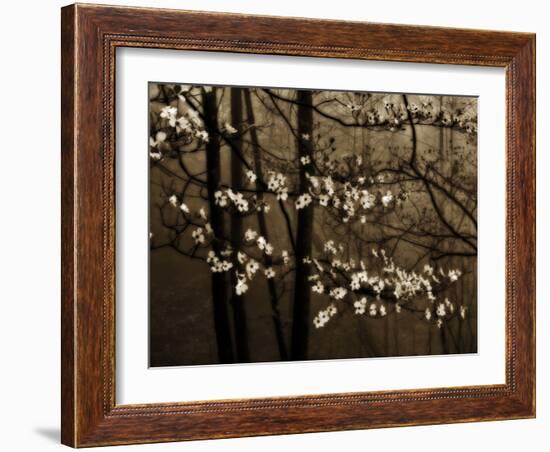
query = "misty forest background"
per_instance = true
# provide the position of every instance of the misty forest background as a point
(294, 224)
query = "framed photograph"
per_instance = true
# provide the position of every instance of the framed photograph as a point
(280, 225)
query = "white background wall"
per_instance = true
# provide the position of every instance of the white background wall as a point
(29, 227)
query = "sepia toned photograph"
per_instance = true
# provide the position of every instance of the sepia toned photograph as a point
(293, 224)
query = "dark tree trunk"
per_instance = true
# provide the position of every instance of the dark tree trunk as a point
(302, 292)
(444, 344)
(237, 301)
(219, 280)
(262, 225)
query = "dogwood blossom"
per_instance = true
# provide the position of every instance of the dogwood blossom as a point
(324, 200)
(428, 314)
(276, 183)
(450, 306)
(267, 248)
(198, 236)
(230, 129)
(203, 135)
(373, 310)
(318, 287)
(241, 257)
(173, 200)
(303, 201)
(169, 113)
(261, 242)
(313, 180)
(251, 268)
(324, 316)
(338, 293)
(160, 137)
(330, 248)
(387, 198)
(183, 125)
(216, 264)
(360, 306)
(454, 274)
(286, 258)
(251, 176)
(226, 266)
(155, 155)
(367, 199)
(250, 235)
(282, 194)
(238, 200)
(220, 198)
(241, 287)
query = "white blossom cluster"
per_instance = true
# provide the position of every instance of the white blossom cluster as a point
(343, 281)
(264, 246)
(376, 310)
(242, 285)
(223, 198)
(156, 144)
(442, 311)
(198, 236)
(360, 305)
(187, 126)
(276, 183)
(348, 281)
(251, 176)
(425, 112)
(351, 199)
(228, 197)
(229, 129)
(323, 316)
(248, 267)
(394, 115)
(217, 264)
(199, 233)
(303, 201)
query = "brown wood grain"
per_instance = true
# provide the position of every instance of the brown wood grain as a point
(90, 36)
(67, 226)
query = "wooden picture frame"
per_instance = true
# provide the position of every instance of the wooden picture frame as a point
(90, 36)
